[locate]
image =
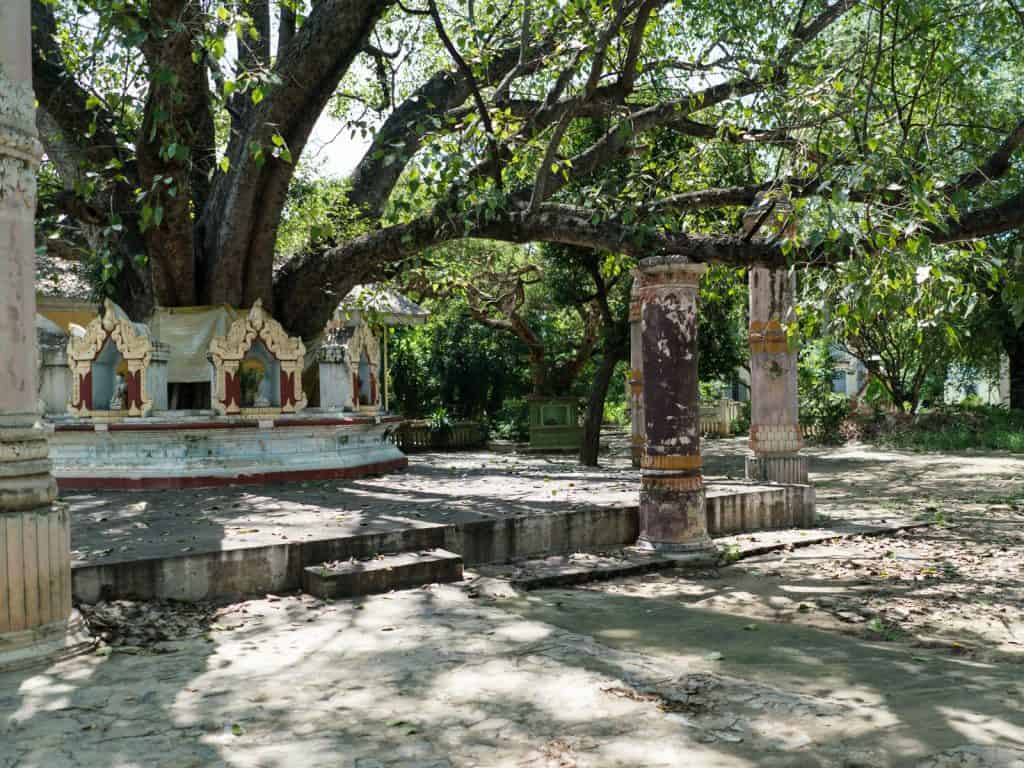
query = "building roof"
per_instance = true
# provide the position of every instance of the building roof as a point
(379, 304)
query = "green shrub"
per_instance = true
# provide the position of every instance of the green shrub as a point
(617, 413)
(511, 421)
(440, 424)
(741, 424)
(952, 428)
(821, 409)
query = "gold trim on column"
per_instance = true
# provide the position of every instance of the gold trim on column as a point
(768, 336)
(674, 483)
(690, 461)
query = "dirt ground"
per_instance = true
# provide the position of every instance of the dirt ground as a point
(871, 652)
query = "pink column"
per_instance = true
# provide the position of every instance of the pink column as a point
(36, 620)
(775, 436)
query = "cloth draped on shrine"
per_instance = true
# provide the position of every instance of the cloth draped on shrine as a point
(188, 332)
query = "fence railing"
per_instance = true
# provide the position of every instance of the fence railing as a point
(717, 417)
(418, 436)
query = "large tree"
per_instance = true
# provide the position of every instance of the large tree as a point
(174, 127)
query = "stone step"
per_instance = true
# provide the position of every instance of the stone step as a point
(404, 570)
(583, 568)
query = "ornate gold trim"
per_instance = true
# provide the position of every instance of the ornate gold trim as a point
(136, 349)
(768, 336)
(227, 352)
(683, 484)
(662, 462)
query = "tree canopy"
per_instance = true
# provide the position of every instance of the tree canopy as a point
(173, 129)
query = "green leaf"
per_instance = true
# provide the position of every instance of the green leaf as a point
(256, 95)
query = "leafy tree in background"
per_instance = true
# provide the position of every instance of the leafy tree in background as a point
(904, 323)
(454, 363)
(174, 128)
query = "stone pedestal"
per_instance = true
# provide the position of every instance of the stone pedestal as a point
(634, 379)
(35, 568)
(775, 437)
(672, 513)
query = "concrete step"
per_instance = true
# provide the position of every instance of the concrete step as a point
(404, 570)
(582, 568)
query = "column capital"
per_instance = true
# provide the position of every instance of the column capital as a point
(656, 270)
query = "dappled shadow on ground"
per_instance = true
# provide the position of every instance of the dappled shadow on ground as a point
(855, 485)
(437, 489)
(898, 704)
(567, 678)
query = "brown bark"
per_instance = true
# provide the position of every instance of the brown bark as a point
(1013, 343)
(239, 226)
(177, 119)
(593, 417)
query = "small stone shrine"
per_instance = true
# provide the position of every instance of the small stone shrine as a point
(116, 367)
(257, 368)
(104, 391)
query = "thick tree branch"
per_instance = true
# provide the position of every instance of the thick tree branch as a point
(997, 164)
(402, 134)
(982, 222)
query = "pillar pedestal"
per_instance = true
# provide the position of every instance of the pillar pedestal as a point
(36, 620)
(672, 512)
(791, 469)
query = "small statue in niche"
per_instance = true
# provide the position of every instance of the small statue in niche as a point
(117, 400)
(263, 394)
(255, 386)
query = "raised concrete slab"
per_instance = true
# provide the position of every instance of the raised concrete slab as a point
(218, 542)
(384, 573)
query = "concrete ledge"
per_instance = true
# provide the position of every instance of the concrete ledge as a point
(239, 477)
(260, 569)
(760, 508)
(383, 574)
(582, 530)
(237, 572)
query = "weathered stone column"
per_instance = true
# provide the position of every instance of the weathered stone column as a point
(775, 437)
(634, 379)
(672, 515)
(35, 568)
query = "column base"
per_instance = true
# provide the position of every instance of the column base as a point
(673, 520)
(789, 468)
(44, 644)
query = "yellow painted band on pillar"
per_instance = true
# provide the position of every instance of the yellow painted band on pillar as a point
(691, 461)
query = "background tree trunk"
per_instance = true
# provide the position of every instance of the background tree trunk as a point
(593, 418)
(1014, 345)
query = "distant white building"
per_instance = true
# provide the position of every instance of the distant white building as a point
(964, 382)
(850, 376)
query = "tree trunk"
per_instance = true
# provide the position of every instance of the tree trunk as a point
(593, 418)
(1014, 345)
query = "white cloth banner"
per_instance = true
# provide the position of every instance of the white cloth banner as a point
(188, 332)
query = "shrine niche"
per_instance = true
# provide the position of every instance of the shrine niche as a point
(346, 368)
(110, 362)
(257, 367)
